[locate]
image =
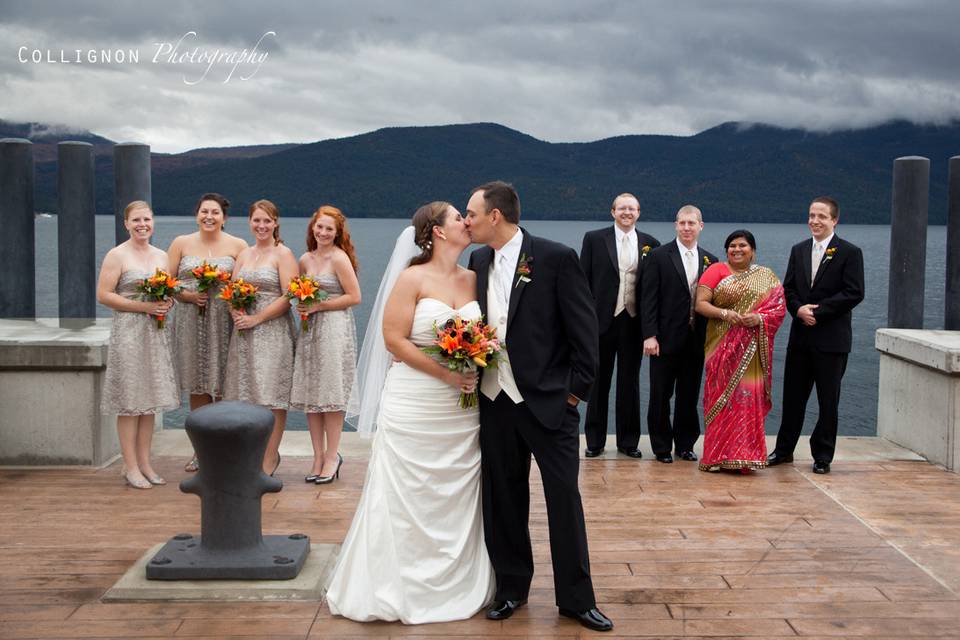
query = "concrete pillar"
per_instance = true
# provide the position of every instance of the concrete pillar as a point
(75, 230)
(908, 242)
(951, 315)
(17, 250)
(131, 180)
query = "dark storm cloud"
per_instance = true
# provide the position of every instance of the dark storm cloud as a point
(559, 71)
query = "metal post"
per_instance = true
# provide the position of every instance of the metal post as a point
(951, 315)
(17, 249)
(131, 180)
(908, 242)
(76, 231)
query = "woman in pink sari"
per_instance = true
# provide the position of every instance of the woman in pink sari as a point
(745, 306)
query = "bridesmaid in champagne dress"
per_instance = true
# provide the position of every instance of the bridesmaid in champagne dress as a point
(326, 353)
(201, 341)
(260, 359)
(140, 379)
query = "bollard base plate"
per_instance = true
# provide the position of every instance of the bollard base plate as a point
(184, 558)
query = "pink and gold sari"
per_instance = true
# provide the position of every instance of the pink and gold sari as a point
(736, 394)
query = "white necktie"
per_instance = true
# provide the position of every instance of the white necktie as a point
(690, 267)
(499, 269)
(815, 262)
(626, 256)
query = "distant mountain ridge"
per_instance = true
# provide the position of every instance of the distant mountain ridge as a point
(733, 172)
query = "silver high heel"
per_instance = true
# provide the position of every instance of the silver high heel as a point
(336, 473)
(134, 482)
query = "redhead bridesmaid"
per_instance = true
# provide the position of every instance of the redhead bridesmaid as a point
(327, 352)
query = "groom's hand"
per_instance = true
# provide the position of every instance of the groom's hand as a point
(572, 400)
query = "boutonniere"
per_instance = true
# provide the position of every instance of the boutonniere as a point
(706, 262)
(828, 254)
(523, 269)
(644, 250)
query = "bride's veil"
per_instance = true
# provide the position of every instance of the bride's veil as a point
(363, 407)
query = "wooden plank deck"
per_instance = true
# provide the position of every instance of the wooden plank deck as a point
(871, 550)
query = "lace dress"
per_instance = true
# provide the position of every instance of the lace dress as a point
(140, 376)
(202, 341)
(260, 360)
(415, 551)
(326, 357)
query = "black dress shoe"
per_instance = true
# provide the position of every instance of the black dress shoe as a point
(592, 453)
(591, 619)
(665, 458)
(689, 456)
(633, 453)
(819, 466)
(775, 458)
(503, 609)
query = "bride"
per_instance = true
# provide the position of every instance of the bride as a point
(415, 551)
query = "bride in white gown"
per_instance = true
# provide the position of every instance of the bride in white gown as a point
(415, 551)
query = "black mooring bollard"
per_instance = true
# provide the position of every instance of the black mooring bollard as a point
(76, 228)
(951, 316)
(131, 180)
(908, 242)
(17, 250)
(230, 439)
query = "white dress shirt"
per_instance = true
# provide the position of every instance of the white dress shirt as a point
(689, 262)
(817, 249)
(505, 264)
(627, 264)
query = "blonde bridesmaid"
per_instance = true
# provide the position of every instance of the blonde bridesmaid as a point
(140, 378)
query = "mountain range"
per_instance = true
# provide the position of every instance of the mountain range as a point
(733, 172)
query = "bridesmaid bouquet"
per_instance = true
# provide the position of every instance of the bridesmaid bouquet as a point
(240, 295)
(160, 286)
(465, 345)
(208, 276)
(307, 290)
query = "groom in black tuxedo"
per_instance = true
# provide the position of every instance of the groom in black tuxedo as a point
(612, 259)
(535, 294)
(823, 283)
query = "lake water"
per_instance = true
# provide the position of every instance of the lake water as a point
(374, 240)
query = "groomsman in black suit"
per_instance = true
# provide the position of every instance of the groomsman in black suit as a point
(612, 259)
(674, 336)
(823, 283)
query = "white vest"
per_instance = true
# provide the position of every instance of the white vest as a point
(500, 378)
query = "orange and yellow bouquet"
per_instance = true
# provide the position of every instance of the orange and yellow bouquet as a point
(160, 286)
(465, 345)
(240, 295)
(307, 290)
(209, 276)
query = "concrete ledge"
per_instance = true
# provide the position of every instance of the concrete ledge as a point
(43, 344)
(938, 350)
(311, 584)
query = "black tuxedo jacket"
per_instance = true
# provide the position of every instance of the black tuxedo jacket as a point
(838, 288)
(665, 311)
(552, 333)
(601, 264)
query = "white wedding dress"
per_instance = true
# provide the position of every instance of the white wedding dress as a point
(415, 550)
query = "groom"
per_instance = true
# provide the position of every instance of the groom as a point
(534, 293)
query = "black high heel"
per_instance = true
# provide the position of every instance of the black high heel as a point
(336, 473)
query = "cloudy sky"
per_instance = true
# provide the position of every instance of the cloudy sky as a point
(558, 70)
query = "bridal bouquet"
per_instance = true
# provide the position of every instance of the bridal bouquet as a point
(208, 276)
(240, 294)
(160, 286)
(307, 290)
(465, 345)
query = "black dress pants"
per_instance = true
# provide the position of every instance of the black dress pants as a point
(621, 342)
(681, 372)
(804, 369)
(509, 434)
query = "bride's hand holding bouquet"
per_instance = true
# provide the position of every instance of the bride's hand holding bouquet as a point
(465, 346)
